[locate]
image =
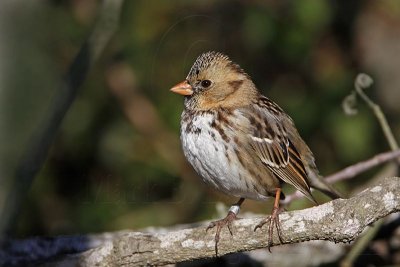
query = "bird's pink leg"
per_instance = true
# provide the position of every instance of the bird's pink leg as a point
(227, 221)
(273, 220)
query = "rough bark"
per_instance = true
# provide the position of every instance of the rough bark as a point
(341, 220)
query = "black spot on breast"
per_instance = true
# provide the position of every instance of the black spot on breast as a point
(213, 136)
(197, 131)
(227, 156)
(213, 124)
(189, 127)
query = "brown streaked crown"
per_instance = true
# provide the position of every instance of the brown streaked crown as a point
(213, 60)
(230, 85)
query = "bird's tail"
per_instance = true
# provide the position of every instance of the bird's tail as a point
(318, 182)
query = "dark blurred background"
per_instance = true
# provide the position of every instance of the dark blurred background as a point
(116, 162)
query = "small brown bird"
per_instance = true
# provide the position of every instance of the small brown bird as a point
(240, 142)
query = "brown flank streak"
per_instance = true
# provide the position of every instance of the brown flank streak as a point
(221, 131)
(223, 134)
(222, 118)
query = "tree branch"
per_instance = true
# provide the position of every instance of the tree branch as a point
(341, 220)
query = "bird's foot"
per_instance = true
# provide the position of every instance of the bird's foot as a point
(273, 221)
(227, 221)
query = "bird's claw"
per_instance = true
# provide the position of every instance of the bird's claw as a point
(227, 221)
(273, 220)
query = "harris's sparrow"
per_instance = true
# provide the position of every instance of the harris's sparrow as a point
(239, 141)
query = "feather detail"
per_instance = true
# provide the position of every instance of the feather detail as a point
(238, 140)
(295, 174)
(273, 147)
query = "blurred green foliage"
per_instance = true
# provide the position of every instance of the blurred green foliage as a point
(116, 162)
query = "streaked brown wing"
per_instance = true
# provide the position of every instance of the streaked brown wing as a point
(280, 155)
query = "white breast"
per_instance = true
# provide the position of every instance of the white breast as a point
(206, 151)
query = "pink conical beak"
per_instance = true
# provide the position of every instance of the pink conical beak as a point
(182, 88)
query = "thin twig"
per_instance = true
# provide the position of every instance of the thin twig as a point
(362, 166)
(35, 155)
(350, 171)
(362, 82)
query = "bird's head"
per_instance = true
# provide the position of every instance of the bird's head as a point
(214, 81)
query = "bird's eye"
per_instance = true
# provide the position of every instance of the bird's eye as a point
(205, 83)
